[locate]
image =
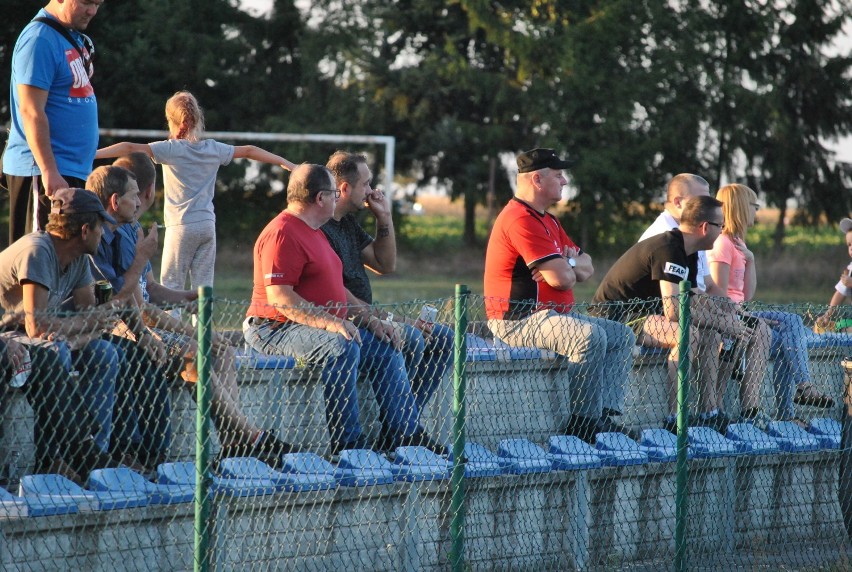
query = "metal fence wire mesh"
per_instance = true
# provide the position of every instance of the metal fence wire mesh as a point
(438, 440)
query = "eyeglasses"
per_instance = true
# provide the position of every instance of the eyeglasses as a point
(756, 206)
(721, 226)
(336, 192)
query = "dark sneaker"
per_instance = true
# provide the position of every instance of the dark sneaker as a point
(422, 439)
(269, 449)
(610, 412)
(718, 422)
(607, 425)
(582, 427)
(670, 425)
(808, 394)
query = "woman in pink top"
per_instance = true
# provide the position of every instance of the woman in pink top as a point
(733, 269)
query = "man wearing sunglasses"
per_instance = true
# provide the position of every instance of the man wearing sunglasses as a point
(54, 128)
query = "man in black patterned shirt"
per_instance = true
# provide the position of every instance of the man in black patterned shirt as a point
(426, 347)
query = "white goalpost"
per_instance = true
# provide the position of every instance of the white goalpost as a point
(387, 141)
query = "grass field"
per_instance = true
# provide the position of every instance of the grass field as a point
(432, 261)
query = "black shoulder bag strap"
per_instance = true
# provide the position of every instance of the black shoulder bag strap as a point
(65, 34)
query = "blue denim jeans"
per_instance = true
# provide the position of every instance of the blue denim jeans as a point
(427, 359)
(341, 361)
(142, 409)
(790, 351)
(97, 364)
(62, 420)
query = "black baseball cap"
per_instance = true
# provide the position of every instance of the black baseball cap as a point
(536, 159)
(78, 201)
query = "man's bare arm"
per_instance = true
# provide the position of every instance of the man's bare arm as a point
(32, 102)
(295, 308)
(380, 255)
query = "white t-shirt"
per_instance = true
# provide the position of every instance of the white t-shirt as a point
(841, 288)
(666, 222)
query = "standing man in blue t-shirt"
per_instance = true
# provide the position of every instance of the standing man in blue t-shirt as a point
(54, 130)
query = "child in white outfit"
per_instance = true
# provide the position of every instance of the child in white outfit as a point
(190, 165)
(842, 291)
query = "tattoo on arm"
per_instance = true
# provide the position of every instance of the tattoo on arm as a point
(383, 231)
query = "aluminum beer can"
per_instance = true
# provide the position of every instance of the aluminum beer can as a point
(103, 291)
(22, 373)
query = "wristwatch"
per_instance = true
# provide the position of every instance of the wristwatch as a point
(571, 262)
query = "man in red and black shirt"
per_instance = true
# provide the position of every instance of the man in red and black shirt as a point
(531, 267)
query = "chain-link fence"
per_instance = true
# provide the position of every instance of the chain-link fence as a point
(436, 439)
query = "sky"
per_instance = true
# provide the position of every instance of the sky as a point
(842, 147)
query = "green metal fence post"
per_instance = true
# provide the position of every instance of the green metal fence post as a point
(459, 386)
(202, 457)
(682, 494)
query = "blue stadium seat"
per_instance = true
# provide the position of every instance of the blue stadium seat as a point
(428, 464)
(827, 431)
(479, 349)
(570, 446)
(559, 461)
(251, 468)
(526, 457)
(708, 443)
(12, 506)
(481, 462)
(183, 473)
(251, 358)
(661, 445)
(126, 480)
(749, 439)
(828, 340)
(53, 487)
(312, 464)
(358, 459)
(791, 437)
(617, 449)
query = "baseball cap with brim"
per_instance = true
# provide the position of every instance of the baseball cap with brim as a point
(78, 201)
(846, 225)
(536, 159)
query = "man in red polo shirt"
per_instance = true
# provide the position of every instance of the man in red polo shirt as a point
(531, 267)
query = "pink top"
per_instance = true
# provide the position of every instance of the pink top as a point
(725, 252)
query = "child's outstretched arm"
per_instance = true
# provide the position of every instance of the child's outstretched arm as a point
(836, 300)
(122, 149)
(257, 154)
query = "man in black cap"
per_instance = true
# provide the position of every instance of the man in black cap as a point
(531, 267)
(44, 270)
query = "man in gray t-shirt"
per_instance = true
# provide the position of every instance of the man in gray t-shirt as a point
(43, 271)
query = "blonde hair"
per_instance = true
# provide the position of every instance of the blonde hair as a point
(736, 203)
(186, 120)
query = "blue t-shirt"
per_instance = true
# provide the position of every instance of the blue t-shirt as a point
(106, 262)
(127, 252)
(45, 60)
(115, 255)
